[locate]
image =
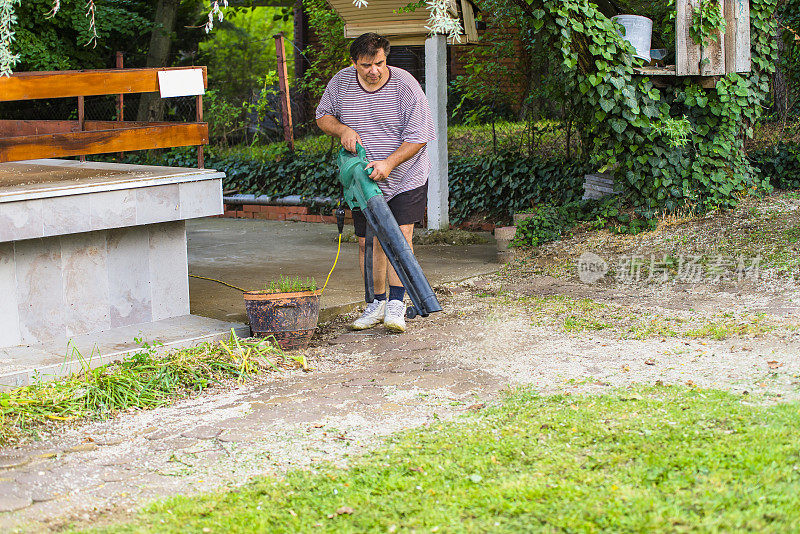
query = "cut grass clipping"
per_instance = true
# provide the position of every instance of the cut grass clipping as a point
(145, 380)
(650, 459)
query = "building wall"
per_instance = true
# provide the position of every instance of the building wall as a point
(459, 57)
(516, 83)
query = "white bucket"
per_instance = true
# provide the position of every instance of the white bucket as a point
(638, 31)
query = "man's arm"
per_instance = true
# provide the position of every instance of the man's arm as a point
(331, 126)
(382, 168)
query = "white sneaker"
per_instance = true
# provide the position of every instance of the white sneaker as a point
(372, 316)
(395, 319)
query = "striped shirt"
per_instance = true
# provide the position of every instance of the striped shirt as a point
(396, 113)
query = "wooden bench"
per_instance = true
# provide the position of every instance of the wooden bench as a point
(35, 139)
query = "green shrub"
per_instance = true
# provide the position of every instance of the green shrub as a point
(275, 173)
(494, 186)
(547, 223)
(780, 164)
(499, 185)
(550, 222)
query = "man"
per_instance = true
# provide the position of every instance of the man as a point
(384, 109)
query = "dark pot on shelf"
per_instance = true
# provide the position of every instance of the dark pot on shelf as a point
(290, 318)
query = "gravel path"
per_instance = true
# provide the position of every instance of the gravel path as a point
(495, 333)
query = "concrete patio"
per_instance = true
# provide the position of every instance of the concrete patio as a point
(248, 253)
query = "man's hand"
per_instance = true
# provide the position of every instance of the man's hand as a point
(380, 169)
(349, 138)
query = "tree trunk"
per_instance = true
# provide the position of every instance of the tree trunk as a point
(300, 62)
(780, 94)
(151, 107)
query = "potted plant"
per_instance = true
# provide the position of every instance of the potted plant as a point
(287, 310)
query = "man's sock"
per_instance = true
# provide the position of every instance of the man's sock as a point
(397, 292)
(380, 296)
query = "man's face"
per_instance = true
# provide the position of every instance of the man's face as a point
(372, 71)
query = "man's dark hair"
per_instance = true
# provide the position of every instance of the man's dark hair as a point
(367, 45)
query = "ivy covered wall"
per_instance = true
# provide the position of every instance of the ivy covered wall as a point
(669, 147)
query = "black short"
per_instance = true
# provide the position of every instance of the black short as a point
(407, 207)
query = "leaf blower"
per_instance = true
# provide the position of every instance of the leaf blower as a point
(363, 193)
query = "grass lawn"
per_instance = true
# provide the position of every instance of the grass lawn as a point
(638, 460)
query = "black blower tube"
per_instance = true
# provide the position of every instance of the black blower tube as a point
(382, 223)
(369, 282)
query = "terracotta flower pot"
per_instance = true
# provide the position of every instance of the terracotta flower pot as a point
(290, 318)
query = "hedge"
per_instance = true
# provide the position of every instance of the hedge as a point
(781, 164)
(494, 186)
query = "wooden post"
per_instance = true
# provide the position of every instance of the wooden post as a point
(286, 108)
(731, 53)
(81, 120)
(714, 51)
(692, 59)
(120, 97)
(200, 152)
(737, 36)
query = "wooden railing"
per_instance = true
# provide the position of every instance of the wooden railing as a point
(34, 139)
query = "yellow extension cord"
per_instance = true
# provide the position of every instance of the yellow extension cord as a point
(219, 282)
(338, 249)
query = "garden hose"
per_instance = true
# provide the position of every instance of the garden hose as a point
(339, 223)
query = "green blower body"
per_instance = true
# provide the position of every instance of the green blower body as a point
(360, 192)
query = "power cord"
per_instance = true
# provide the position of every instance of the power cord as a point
(219, 282)
(340, 225)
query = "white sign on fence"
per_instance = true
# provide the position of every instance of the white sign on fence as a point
(180, 82)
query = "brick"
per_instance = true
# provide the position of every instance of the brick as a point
(229, 214)
(299, 210)
(294, 217)
(329, 219)
(251, 208)
(261, 215)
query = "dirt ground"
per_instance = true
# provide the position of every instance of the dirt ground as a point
(534, 323)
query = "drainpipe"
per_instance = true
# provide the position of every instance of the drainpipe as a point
(291, 200)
